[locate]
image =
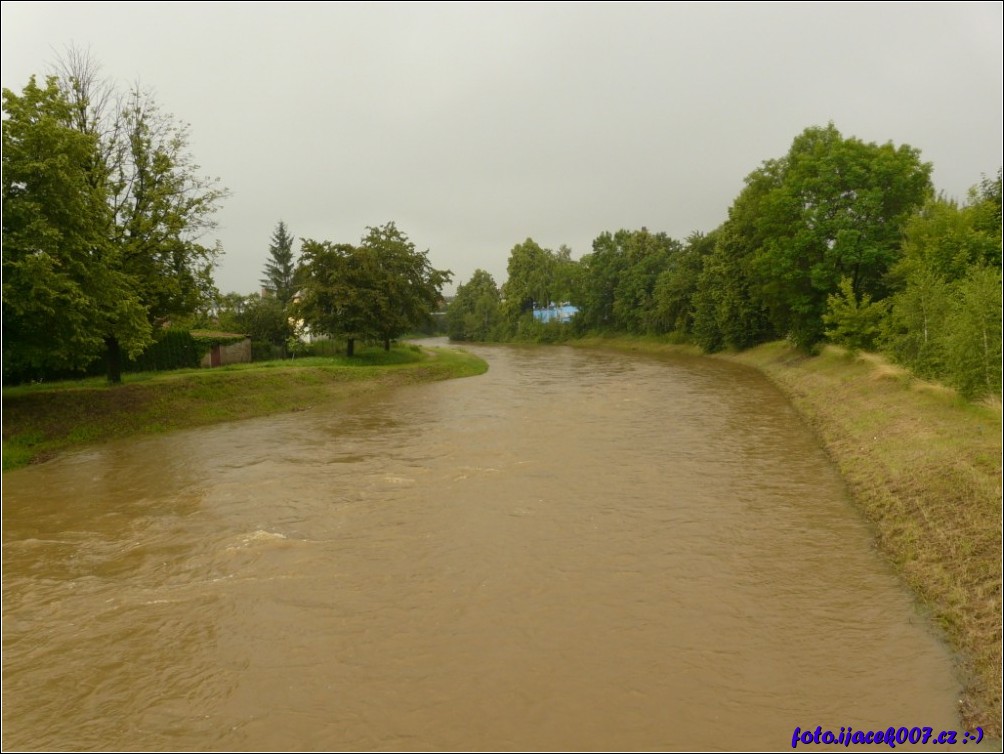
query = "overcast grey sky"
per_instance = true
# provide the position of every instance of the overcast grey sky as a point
(476, 126)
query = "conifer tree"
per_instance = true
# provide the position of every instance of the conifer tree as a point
(280, 269)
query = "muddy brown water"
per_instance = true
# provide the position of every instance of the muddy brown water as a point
(576, 550)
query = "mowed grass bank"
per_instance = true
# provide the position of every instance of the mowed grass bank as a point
(924, 466)
(40, 421)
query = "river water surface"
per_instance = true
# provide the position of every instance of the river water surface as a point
(576, 550)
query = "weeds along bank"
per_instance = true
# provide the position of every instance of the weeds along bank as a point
(42, 420)
(925, 468)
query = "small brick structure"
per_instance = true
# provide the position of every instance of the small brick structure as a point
(230, 353)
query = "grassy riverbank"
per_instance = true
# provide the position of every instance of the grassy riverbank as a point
(42, 420)
(925, 468)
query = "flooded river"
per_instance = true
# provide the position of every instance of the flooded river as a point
(576, 550)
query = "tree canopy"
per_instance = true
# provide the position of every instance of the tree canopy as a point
(107, 210)
(378, 290)
(280, 268)
(474, 313)
(65, 287)
(537, 278)
(838, 211)
(408, 287)
(839, 239)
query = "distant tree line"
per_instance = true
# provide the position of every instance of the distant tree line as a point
(837, 241)
(373, 292)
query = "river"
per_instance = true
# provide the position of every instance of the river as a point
(577, 550)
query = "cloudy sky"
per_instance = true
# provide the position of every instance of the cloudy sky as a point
(476, 126)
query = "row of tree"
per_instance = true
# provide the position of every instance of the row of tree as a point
(103, 212)
(837, 240)
(104, 209)
(375, 291)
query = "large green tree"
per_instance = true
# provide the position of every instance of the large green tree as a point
(647, 256)
(530, 280)
(161, 207)
(474, 312)
(617, 287)
(537, 277)
(728, 307)
(601, 273)
(676, 285)
(66, 292)
(838, 211)
(264, 319)
(339, 288)
(280, 268)
(947, 298)
(408, 289)
(378, 290)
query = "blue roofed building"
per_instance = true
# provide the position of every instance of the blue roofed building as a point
(555, 313)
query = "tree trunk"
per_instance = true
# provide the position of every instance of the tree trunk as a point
(386, 344)
(113, 358)
(350, 347)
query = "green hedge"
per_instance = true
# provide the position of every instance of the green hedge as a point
(171, 349)
(174, 349)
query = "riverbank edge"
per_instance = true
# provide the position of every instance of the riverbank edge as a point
(40, 422)
(924, 468)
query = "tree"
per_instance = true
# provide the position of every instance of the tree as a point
(537, 278)
(646, 256)
(375, 291)
(985, 200)
(974, 334)
(65, 293)
(601, 273)
(530, 280)
(160, 207)
(676, 285)
(474, 312)
(941, 323)
(227, 310)
(915, 332)
(851, 322)
(838, 211)
(408, 288)
(263, 318)
(340, 285)
(567, 276)
(280, 269)
(729, 310)
(947, 240)
(639, 282)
